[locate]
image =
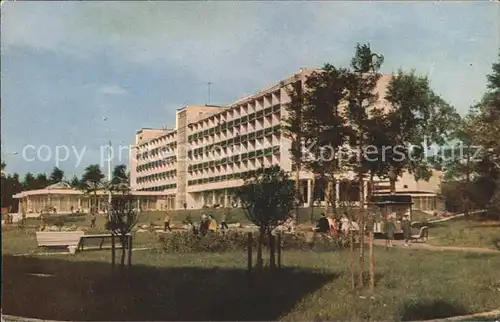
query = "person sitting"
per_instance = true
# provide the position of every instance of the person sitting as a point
(212, 224)
(204, 224)
(323, 225)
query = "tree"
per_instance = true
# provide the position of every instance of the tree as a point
(56, 176)
(77, 183)
(120, 175)
(361, 100)
(417, 118)
(294, 128)
(41, 181)
(92, 180)
(267, 198)
(29, 181)
(122, 218)
(10, 185)
(325, 126)
(487, 129)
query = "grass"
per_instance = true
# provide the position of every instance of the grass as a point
(411, 285)
(466, 233)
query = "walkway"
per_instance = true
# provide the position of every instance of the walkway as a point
(425, 246)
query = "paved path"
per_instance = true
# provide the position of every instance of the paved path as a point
(400, 244)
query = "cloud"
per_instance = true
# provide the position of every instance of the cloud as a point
(112, 90)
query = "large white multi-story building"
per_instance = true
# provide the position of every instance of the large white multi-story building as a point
(205, 157)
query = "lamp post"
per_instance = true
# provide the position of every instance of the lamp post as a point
(109, 174)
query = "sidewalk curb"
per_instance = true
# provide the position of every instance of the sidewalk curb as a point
(495, 314)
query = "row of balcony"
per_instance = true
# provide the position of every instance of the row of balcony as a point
(156, 164)
(236, 140)
(170, 148)
(257, 104)
(160, 188)
(228, 125)
(235, 158)
(172, 136)
(171, 174)
(225, 177)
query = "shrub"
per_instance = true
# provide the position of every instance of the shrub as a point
(59, 222)
(187, 242)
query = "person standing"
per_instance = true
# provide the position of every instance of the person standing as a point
(223, 222)
(406, 225)
(390, 228)
(166, 223)
(92, 220)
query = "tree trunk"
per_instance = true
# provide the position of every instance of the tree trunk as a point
(393, 186)
(298, 194)
(467, 182)
(361, 223)
(123, 240)
(329, 201)
(361, 249)
(113, 250)
(129, 251)
(372, 187)
(313, 185)
(353, 261)
(260, 242)
(372, 263)
(272, 251)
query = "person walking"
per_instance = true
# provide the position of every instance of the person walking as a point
(166, 223)
(406, 225)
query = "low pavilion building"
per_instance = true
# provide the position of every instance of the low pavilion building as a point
(62, 198)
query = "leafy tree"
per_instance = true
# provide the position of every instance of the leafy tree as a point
(487, 130)
(267, 198)
(361, 100)
(418, 117)
(294, 128)
(10, 185)
(92, 182)
(120, 175)
(41, 181)
(76, 183)
(56, 176)
(29, 181)
(326, 126)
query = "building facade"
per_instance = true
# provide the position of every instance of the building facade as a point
(205, 157)
(62, 198)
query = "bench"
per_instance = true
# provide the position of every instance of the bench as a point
(68, 239)
(102, 238)
(423, 235)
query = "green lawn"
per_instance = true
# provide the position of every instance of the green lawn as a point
(466, 232)
(411, 285)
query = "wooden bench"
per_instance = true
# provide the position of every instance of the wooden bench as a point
(422, 236)
(102, 238)
(59, 238)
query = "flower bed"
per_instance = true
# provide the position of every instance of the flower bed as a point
(187, 242)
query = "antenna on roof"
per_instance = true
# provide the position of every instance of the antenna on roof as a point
(209, 83)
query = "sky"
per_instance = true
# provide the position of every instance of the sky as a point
(76, 75)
